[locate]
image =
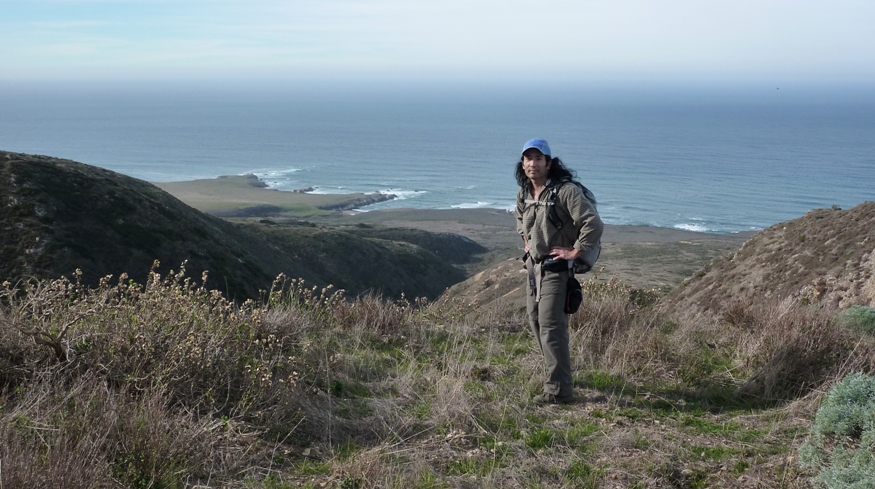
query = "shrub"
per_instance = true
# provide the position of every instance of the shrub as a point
(858, 318)
(841, 447)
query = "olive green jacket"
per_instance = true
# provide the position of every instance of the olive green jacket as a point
(582, 226)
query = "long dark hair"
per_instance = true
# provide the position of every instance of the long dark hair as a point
(558, 171)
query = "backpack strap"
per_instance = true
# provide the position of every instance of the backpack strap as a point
(553, 199)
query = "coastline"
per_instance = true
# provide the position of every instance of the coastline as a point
(247, 196)
(645, 256)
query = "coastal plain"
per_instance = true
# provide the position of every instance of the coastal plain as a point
(247, 196)
(643, 256)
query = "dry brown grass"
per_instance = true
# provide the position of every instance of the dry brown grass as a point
(826, 257)
(793, 349)
(169, 385)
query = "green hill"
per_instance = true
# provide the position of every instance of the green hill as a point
(59, 215)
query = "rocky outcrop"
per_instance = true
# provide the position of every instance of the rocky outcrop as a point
(251, 180)
(357, 202)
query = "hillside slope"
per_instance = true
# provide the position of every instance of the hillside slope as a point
(647, 258)
(388, 261)
(59, 215)
(826, 256)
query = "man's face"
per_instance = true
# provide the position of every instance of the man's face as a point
(535, 165)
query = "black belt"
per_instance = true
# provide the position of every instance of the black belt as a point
(550, 263)
(555, 265)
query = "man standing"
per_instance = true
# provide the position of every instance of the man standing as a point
(558, 224)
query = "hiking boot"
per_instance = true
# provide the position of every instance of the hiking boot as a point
(554, 399)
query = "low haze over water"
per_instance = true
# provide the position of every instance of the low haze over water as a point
(717, 160)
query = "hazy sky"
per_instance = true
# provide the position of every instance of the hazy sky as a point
(815, 40)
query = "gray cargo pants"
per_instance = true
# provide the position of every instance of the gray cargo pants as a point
(549, 324)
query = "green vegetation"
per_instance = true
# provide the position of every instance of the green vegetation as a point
(168, 384)
(841, 447)
(860, 318)
(389, 261)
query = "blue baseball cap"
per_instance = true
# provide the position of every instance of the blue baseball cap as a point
(539, 144)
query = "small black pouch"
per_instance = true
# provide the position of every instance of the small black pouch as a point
(573, 296)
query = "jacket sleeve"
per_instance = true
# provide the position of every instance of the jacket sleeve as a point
(585, 216)
(518, 212)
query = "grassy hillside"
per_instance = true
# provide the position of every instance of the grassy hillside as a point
(825, 256)
(390, 261)
(58, 216)
(172, 386)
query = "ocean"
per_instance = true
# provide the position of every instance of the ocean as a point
(717, 160)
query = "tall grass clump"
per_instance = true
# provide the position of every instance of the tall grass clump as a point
(841, 447)
(612, 330)
(789, 349)
(173, 382)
